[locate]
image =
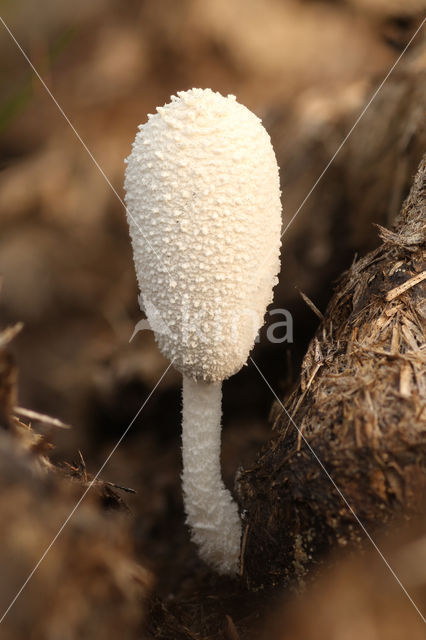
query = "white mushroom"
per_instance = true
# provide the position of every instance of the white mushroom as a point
(204, 210)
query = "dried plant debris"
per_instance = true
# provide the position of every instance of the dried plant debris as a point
(89, 583)
(360, 406)
(212, 607)
(109, 493)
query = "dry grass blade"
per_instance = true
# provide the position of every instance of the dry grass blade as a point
(411, 282)
(310, 304)
(8, 334)
(40, 417)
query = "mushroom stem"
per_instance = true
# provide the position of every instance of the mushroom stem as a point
(212, 514)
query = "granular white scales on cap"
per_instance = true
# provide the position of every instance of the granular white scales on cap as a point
(204, 211)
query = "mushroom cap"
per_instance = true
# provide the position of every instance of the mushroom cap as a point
(204, 211)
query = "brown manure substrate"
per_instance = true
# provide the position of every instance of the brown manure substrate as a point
(357, 416)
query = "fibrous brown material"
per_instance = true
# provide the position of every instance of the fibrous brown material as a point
(360, 404)
(88, 585)
(86, 581)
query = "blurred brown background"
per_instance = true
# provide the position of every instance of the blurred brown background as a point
(307, 68)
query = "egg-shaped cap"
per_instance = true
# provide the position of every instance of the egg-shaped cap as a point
(204, 211)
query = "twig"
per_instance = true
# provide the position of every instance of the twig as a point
(9, 333)
(394, 293)
(40, 417)
(119, 486)
(83, 465)
(243, 548)
(310, 304)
